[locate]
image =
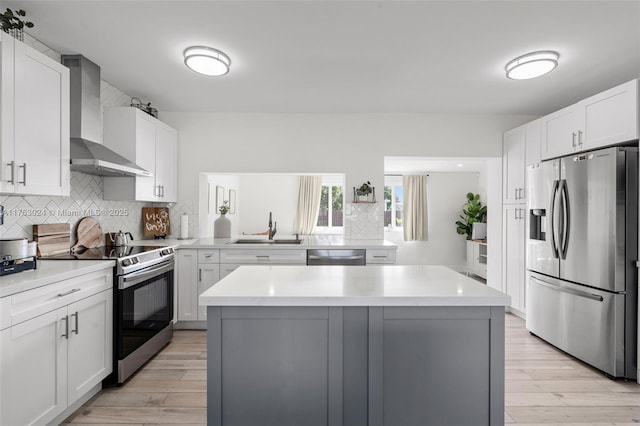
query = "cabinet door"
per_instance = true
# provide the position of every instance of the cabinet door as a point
(532, 132)
(227, 268)
(41, 132)
(33, 367)
(513, 264)
(90, 343)
(560, 132)
(208, 275)
(513, 165)
(145, 157)
(187, 285)
(611, 116)
(166, 163)
(6, 112)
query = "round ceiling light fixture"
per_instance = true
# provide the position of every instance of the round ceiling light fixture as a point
(206, 60)
(532, 65)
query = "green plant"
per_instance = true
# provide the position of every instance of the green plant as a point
(472, 211)
(224, 208)
(365, 189)
(10, 20)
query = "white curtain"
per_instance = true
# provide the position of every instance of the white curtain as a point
(414, 210)
(309, 192)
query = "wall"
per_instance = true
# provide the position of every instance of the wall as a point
(268, 193)
(354, 144)
(446, 193)
(208, 212)
(21, 212)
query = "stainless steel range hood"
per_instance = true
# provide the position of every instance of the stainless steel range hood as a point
(88, 155)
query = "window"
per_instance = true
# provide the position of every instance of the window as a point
(393, 202)
(331, 214)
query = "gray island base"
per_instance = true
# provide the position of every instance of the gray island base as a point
(339, 345)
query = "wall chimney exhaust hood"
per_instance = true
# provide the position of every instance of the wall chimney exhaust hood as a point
(88, 155)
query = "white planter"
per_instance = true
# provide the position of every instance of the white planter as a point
(222, 227)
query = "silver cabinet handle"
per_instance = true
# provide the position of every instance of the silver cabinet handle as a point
(199, 274)
(573, 139)
(516, 193)
(515, 214)
(66, 327)
(381, 256)
(24, 175)
(73, 290)
(12, 164)
(162, 195)
(262, 256)
(76, 329)
(580, 137)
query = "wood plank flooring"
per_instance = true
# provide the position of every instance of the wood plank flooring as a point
(543, 386)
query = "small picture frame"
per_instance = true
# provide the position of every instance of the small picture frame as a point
(232, 201)
(219, 197)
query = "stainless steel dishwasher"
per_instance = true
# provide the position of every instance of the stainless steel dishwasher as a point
(336, 257)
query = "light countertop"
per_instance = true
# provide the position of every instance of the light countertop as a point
(373, 285)
(308, 242)
(49, 271)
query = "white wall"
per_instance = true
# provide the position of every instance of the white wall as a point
(446, 193)
(207, 207)
(262, 194)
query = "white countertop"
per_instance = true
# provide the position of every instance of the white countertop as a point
(49, 271)
(373, 285)
(308, 242)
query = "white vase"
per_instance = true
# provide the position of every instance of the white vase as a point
(222, 227)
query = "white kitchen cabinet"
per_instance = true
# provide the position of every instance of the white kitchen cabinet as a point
(34, 121)
(56, 344)
(264, 256)
(198, 270)
(513, 263)
(382, 256)
(513, 169)
(150, 144)
(532, 133)
(607, 118)
(477, 258)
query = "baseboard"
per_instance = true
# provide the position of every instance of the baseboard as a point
(190, 325)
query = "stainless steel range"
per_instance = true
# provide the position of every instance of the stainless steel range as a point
(143, 310)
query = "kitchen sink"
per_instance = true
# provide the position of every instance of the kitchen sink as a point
(267, 242)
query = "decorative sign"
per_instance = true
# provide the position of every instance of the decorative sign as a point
(155, 221)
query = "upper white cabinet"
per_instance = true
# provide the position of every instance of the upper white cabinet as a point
(607, 118)
(150, 144)
(34, 121)
(513, 165)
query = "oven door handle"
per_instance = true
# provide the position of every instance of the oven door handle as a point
(134, 278)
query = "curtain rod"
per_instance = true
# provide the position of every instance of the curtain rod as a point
(413, 173)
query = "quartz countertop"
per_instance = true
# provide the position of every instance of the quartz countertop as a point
(308, 242)
(49, 271)
(372, 285)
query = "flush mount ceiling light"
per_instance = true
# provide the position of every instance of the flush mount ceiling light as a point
(532, 65)
(206, 60)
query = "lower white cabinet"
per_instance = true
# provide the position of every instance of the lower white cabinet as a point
(48, 361)
(513, 255)
(381, 256)
(477, 258)
(198, 270)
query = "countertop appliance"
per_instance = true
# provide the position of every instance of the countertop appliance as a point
(143, 301)
(582, 248)
(336, 257)
(17, 255)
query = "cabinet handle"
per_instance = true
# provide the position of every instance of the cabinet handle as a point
(66, 327)
(573, 139)
(382, 256)
(262, 257)
(73, 290)
(13, 172)
(162, 195)
(24, 175)
(76, 329)
(200, 274)
(580, 137)
(516, 193)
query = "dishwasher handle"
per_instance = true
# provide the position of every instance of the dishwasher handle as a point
(316, 257)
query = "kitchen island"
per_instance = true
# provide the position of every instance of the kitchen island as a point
(341, 345)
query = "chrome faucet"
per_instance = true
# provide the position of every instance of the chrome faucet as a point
(272, 227)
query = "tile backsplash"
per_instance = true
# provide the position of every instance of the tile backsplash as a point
(364, 223)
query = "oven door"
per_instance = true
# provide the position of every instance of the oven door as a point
(145, 306)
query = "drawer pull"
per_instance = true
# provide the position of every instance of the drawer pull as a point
(262, 256)
(379, 256)
(66, 327)
(73, 290)
(76, 329)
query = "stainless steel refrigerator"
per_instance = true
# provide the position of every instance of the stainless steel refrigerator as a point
(582, 248)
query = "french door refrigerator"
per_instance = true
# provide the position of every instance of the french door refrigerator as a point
(582, 248)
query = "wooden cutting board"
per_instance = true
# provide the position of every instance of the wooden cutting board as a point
(52, 238)
(88, 233)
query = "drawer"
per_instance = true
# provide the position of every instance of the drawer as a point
(227, 268)
(208, 256)
(23, 306)
(250, 257)
(381, 256)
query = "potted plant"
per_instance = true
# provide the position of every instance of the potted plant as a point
(472, 212)
(364, 191)
(222, 225)
(224, 208)
(13, 24)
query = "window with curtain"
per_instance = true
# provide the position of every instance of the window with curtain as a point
(309, 194)
(414, 207)
(393, 201)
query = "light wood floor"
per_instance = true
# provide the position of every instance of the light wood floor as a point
(543, 386)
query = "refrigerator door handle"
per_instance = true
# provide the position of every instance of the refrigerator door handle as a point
(554, 192)
(566, 221)
(561, 289)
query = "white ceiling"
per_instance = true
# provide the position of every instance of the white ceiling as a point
(349, 56)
